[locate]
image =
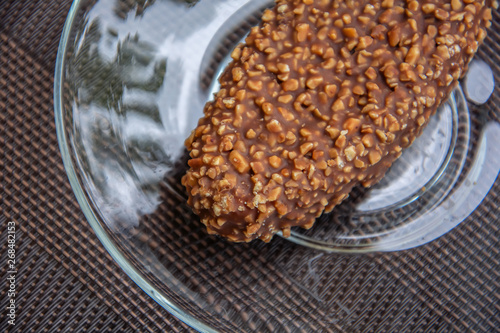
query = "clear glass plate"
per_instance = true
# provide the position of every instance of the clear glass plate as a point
(131, 80)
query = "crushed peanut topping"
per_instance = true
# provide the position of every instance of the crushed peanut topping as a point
(323, 96)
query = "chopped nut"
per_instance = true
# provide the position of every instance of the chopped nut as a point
(428, 8)
(371, 73)
(274, 126)
(331, 90)
(314, 82)
(305, 132)
(209, 149)
(268, 108)
(236, 54)
(285, 99)
(359, 163)
(368, 141)
(268, 15)
(352, 125)
(255, 85)
(287, 115)
(226, 144)
(251, 134)
(283, 68)
(332, 132)
(306, 147)
(290, 138)
(302, 31)
(441, 14)
(338, 105)
(421, 120)
(217, 160)
(274, 194)
(374, 157)
(341, 141)
(258, 155)
(277, 178)
(350, 153)
(358, 90)
(275, 161)
(350, 32)
(364, 42)
(212, 173)
(257, 167)
(381, 136)
(239, 162)
(291, 183)
(290, 85)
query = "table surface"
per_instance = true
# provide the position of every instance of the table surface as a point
(66, 281)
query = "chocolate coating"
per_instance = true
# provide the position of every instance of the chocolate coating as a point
(324, 95)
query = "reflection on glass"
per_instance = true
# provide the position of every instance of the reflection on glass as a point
(120, 126)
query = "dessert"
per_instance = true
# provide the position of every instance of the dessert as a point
(323, 95)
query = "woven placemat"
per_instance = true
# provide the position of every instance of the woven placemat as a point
(67, 282)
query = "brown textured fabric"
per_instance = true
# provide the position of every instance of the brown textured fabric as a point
(68, 283)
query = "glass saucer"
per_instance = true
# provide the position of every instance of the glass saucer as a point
(131, 80)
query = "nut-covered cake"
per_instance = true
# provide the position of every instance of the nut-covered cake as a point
(323, 95)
